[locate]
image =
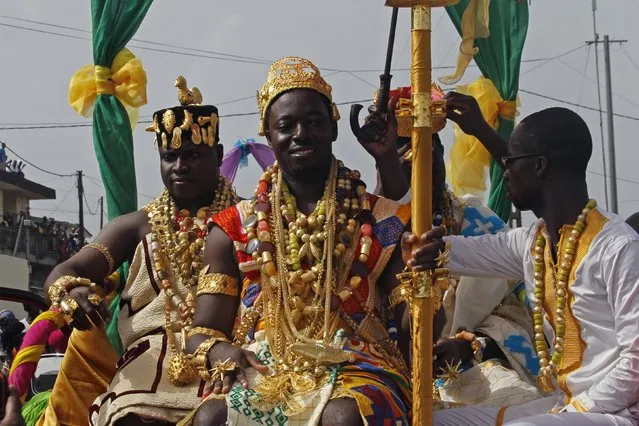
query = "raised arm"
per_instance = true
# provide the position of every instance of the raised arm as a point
(218, 298)
(464, 110)
(380, 131)
(114, 245)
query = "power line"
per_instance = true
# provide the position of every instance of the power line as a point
(629, 117)
(86, 202)
(33, 165)
(36, 126)
(230, 55)
(548, 60)
(221, 55)
(634, 64)
(618, 178)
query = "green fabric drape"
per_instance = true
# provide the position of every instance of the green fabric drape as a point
(114, 24)
(499, 60)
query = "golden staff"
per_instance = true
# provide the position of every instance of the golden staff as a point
(422, 197)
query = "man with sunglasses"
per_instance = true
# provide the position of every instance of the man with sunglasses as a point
(579, 267)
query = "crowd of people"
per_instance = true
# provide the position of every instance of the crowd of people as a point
(58, 239)
(294, 307)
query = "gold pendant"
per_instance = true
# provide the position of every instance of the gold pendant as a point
(180, 371)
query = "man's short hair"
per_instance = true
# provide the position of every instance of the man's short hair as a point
(561, 135)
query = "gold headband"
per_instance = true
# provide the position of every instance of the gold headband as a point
(289, 73)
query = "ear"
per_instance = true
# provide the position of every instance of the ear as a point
(219, 149)
(541, 166)
(334, 123)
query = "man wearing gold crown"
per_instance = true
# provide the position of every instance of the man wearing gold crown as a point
(579, 264)
(164, 242)
(315, 341)
(486, 356)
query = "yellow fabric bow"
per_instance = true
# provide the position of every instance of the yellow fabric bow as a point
(474, 24)
(468, 159)
(126, 80)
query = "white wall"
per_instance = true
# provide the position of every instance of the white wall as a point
(14, 273)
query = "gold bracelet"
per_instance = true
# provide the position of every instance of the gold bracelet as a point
(106, 253)
(210, 332)
(63, 285)
(217, 284)
(400, 294)
(199, 359)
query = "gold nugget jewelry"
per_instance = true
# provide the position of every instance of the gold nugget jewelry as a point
(200, 359)
(105, 252)
(400, 294)
(94, 299)
(222, 368)
(217, 284)
(450, 372)
(211, 332)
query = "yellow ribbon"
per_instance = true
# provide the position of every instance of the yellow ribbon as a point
(125, 79)
(474, 24)
(468, 159)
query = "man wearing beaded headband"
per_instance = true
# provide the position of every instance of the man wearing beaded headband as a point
(163, 242)
(488, 337)
(318, 255)
(582, 279)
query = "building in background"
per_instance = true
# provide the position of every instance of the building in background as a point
(30, 246)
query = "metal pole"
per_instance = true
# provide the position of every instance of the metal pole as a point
(612, 167)
(101, 212)
(15, 247)
(80, 208)
(27, 234)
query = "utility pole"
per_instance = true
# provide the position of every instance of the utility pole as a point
(101, 212)
(80, 207)
(611, 176)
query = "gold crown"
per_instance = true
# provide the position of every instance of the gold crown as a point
(288, 73)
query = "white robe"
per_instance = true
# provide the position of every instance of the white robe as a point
(604, 304)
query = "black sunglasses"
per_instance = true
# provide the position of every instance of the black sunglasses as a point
(507, 160)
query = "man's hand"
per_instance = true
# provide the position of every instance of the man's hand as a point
(380, 132)
(420, 253)
(12, 410)
(243, 358)
(89, 312)
(451, 351)
(464, 110)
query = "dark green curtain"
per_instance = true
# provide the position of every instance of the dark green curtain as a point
(499, 60)
(114, 24)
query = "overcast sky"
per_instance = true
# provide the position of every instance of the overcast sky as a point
(36, 66)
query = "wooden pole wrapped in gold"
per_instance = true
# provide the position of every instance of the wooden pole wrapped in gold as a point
(422, 214)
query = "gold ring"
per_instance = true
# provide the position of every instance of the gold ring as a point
(221, 368)
(69, 306)
(94, 299)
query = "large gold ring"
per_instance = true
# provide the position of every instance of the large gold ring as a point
(94, 299)
(222, 368)
(69, 306)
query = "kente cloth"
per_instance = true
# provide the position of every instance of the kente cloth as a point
(381, 391)
(141, 385)
(495, 312)
(599, 369)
